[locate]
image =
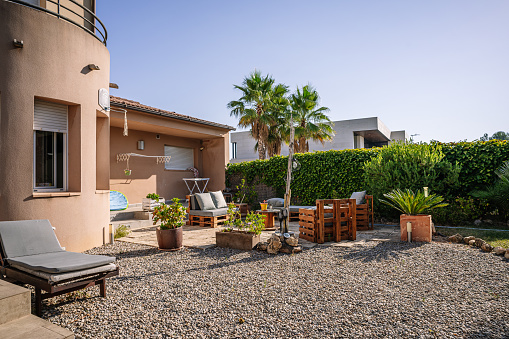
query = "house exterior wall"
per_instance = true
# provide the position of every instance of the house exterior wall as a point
(51, 66)
(346, 131)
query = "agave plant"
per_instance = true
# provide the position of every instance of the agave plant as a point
(412, 203)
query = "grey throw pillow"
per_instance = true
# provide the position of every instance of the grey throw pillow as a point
(276, 202)
(359, 197)
(218, 199)
(205, 201)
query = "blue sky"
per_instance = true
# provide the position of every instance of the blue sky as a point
(435, 68)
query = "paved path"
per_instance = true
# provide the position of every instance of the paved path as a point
(204, 237)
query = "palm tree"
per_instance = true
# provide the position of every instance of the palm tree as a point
(279, 120)
(309, 118)
(253, 106)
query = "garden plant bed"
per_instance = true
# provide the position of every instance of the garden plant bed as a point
(365, 291)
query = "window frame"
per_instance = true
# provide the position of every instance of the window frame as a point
(55, 169)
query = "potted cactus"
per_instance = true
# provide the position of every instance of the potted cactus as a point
(172, 218)
(413, 206)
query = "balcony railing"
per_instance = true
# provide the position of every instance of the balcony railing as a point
(73, 12)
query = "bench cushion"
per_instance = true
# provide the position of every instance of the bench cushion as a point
(205, 201)
(276, 202)
(28, 237)
(57, 277)
(218, 199)
(60, 262)
(359, 197)
(210, 213)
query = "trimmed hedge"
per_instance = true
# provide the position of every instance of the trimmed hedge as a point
(334, 174)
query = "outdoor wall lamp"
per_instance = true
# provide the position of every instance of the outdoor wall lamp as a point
(113, 85)
(141, 144)
(202, 148)
(18, 43)
(93, 67)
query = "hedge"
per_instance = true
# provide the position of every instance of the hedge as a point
(332, 174)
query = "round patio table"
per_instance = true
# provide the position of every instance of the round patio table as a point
(269, 218)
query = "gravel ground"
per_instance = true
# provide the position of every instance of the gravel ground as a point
(379, 289)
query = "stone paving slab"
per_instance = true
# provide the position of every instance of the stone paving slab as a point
(204, 237)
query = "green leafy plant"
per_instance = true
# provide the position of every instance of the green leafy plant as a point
(498, 194)
(121, 231)
(171, 216)
(244, 192)
(153, 196)
(254, 222)
(408, 202)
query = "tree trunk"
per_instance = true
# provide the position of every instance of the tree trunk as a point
(261, 149)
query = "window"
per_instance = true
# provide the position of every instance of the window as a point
(181, 158)
(234, 150)
(50, 146)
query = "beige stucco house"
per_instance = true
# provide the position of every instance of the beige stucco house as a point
(58, 144)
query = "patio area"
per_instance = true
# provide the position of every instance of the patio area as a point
(204, 237)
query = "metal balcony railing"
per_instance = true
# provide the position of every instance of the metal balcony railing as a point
(87, 20)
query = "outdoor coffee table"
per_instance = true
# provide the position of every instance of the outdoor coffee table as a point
(269, 218)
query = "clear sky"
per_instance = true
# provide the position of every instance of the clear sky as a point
(435, 68)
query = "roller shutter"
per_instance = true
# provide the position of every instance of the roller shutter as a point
(50, 117)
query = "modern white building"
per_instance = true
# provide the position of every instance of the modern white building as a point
(350, 134)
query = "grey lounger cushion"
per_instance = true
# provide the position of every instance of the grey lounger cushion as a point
(276, 202)
(55, 278)
(209, 213)
(60, 262)
(28, 237)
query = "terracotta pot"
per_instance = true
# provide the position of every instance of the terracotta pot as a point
(421, 227)
(237, 240)
(169, 240)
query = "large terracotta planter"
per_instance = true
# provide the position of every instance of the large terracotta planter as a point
(169, 240)
(421, 227)
(237, 240)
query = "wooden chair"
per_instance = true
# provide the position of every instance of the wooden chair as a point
(364, 214)
(331, 220)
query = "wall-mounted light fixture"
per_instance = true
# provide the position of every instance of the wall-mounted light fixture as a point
(113, 85)
(141, 144)
(18, 43)
(202, 148)
(158, 136)
(93, 67)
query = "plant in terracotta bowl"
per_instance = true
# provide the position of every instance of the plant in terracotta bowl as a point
(172, 218)
(413, 205)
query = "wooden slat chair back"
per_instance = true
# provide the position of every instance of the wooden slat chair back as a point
(364, 214)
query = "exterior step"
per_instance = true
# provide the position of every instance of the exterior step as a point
(31, 326)
(14, 302)
(133, 223)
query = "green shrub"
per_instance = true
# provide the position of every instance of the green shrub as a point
(460, 211)
(153, 196)
(121, 231)
(171, 216)
(498, 194)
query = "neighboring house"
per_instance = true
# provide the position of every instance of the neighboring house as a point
(350, 134)
(58, 146)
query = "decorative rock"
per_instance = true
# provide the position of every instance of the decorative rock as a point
(286, 249)
(457, 238)
(479, 242)
(477, 222)
(297, 249)
(274, 245)
(499, 250)
(471, 242)
(292, 241)
(467, 239)
(262, 246)
(486, 247)
(506, 255)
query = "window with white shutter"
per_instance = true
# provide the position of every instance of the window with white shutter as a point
(181, 157)
(50, 146)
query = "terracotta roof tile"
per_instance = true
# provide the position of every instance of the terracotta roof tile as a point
(126, 103)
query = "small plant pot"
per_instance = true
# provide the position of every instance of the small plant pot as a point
(263, 206)
(169, 240)
(421, 227)
(237, 240)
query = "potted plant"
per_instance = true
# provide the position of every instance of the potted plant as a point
(239, 234)
(151, 201)
(413, 205)
(169, 232)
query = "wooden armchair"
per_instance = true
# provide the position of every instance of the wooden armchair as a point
(364, 214)
(330, 220)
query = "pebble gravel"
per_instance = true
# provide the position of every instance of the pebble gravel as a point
(371, 290)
